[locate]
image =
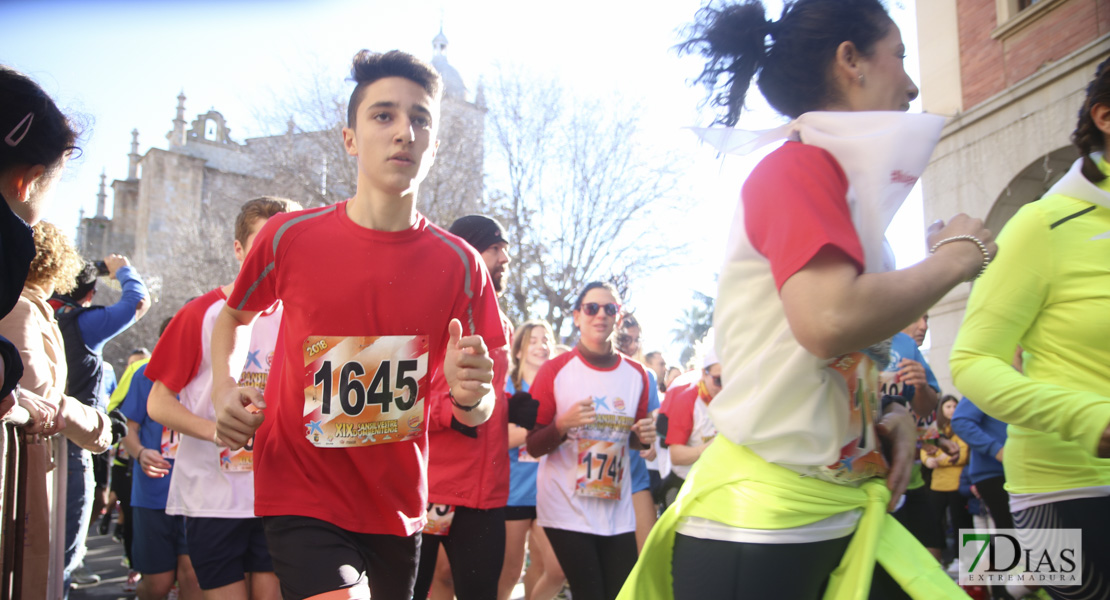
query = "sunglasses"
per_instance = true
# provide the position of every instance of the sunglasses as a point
(611, 309)
(716, 379)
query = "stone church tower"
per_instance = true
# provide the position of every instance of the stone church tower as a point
(173, 215)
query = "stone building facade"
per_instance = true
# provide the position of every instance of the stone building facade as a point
(1011, 75)
(173, 215)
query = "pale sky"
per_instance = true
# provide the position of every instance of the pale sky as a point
(122, 64)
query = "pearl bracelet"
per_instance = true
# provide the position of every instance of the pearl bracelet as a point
(982, 248)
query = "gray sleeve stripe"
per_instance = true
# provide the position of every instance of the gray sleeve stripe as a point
(466, 284)
(277, 238)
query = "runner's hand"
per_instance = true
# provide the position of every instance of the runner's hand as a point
(645, 430)
(235, 423)
(911, 372)
(966, 252)
(467, 366)
(153, 464)
(649, 454)
(580, 413)
(898, 433)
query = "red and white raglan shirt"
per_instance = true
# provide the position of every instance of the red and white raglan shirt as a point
(688, 422)
(585, 484)
(362, 339)
(209, 480)
(792, 408)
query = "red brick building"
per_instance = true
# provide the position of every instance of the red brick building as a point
(1012, 75)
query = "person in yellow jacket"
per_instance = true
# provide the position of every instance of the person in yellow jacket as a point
(1050, 292)
(947, 468)
(791, 499)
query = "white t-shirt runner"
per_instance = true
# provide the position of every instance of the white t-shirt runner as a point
(585, 484)
(209, 480)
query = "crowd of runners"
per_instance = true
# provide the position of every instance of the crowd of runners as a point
(355, 416)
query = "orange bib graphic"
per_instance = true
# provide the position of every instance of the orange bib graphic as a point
(170, 441)
(364, 390)
(439, 519)
(600, 468)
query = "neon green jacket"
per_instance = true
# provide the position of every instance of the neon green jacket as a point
(1048, 290)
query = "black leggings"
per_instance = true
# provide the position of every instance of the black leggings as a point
(741, 571)
(1092, 515)
(997, 501)
(475, 547)
(595, 565)
(955, 504)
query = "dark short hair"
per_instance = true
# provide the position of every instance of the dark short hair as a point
(368, 67)
(262, 207)
(33, 131)
(86, 281)
(593, 285)
(794, 68)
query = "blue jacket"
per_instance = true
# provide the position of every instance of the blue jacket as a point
(985, 435)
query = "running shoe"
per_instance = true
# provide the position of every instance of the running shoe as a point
(83, 576)
(132, 582)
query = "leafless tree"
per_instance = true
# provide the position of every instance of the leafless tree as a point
(582, 194)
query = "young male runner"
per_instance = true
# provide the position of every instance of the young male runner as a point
(212, 486)
(374, 297)
(468, 468)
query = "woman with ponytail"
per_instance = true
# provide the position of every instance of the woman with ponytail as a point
(807, 461)
(1050, 294)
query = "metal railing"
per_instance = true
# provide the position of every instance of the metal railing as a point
(13, 504)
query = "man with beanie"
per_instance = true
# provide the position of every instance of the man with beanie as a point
(85, 329)
(468, 467)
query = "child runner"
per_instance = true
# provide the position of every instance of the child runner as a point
(379, 303)
(796, 482)
(159, 550)
(213, 486)
(593, 414)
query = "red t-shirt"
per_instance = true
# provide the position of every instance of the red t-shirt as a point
(364, 334)
(680, 415)
(179, 352)
(790, 224)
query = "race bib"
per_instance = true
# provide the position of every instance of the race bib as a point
(523, 456)
(364, 390)
(860, 458)
(439, 519)
(238, 461)
(600, 468)
(122, 454)
(170, 441)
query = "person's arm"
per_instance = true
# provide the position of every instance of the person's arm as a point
(517, 436)
(681, 454)
(967, 423)
(1003, 305)
(833, 309)
(85, 426)
(150, 460)
(163, 407)
(100, 325)
(235, 423)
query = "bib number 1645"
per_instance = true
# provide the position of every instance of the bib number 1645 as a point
(354, 396)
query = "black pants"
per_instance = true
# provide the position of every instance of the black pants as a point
(741, 571)
(1092, 515)
(121, 485)
(955, 505)
(997, 501)
(312, 557)
(595, 565)
(475, 546)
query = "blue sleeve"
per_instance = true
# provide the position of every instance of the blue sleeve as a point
(967, 422)
(134, 402)
(653, 393)
(106, 322)
(929, 377)
(510, 389)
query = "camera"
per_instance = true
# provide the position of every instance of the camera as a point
(101, 268)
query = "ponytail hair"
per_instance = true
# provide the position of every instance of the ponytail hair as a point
(792, 57)
(32, 129)
(1087, 137)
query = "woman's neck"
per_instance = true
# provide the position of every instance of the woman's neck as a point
(527, 373)
(603, 357)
